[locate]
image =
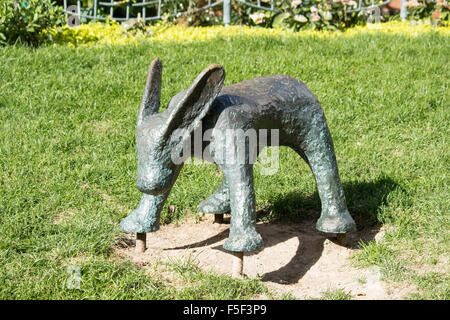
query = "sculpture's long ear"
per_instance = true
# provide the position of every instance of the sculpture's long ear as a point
(197, 100)
(152, 92)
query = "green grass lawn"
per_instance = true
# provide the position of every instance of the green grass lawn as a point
(68, 162)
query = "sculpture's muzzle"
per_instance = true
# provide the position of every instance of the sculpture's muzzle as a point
(154, 181)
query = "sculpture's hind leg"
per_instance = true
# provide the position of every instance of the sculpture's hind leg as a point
(217, 203)
(317, 147)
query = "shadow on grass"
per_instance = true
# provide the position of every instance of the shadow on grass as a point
(364, 200)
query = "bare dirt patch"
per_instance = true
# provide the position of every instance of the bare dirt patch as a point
(296, 258)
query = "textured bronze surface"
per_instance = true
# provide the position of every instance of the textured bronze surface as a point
(269, 102)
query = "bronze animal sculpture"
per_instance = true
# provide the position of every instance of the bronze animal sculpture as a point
(269, 102)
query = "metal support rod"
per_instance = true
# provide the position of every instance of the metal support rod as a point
(226, 12)
(79, 9)
(403, 10)
(141, 239)
(341, 239)
(238, 264)
(218, 218)
(159, 9)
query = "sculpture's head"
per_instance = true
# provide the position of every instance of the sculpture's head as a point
(155, 141)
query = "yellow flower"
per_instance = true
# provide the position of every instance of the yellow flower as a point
(98, 34)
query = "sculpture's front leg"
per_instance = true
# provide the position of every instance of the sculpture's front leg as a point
(243, 235)
(145, 218)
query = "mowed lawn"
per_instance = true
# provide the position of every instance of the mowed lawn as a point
(68, 159)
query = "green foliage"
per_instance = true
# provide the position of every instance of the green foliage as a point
(310, 14)
(433, 286)
(435, 10)
(336, 294)
(23, 21)
(193, 16)
(293, 14)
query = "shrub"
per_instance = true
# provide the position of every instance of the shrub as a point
(22, 21)
(293, 14)
(298, 15)
(437, 11)
(312, 14)
(194, 17)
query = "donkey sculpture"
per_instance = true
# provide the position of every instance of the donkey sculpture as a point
(269, 102)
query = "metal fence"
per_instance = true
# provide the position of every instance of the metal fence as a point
(153, 10)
